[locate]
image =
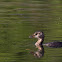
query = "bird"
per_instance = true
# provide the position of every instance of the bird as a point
(40, 36)
(39, 44)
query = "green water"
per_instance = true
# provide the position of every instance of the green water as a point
(21, 18)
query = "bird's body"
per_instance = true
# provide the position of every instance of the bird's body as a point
(40, 36)
(54, 44)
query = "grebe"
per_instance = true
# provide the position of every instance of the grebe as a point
(40, 36)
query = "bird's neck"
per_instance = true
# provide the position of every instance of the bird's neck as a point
(39, 42)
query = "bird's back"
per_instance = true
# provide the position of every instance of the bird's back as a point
(54, 44)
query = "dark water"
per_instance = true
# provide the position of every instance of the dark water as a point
(20, 19)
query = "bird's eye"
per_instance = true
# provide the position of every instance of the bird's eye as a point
(36, 34)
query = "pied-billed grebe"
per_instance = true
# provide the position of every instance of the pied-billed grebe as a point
(40, 36)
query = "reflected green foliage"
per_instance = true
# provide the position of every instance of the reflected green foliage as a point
(19, 19)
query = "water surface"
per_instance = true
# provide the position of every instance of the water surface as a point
(20, 19)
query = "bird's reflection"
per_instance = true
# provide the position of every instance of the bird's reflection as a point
(38, 53)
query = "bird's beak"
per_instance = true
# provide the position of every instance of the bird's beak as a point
(32, 36)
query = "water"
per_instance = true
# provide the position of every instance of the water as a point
(20, 19)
